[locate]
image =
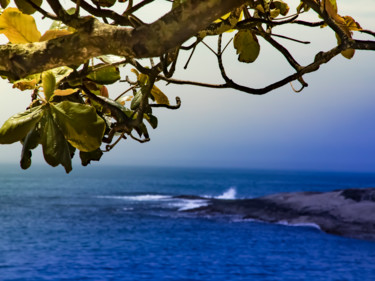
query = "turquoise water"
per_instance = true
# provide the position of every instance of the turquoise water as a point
(120, 223)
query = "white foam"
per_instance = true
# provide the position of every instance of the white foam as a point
(229, 194)
(145, 197)
(305, 224)
(186, 204)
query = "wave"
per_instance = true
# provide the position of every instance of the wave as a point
(228, 194)
(144, 197)
(304, 224)
(186, 204)
(179, 203)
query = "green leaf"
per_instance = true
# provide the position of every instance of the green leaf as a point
(107, 74)
(136, 101)
(80, 124)
(141, 129)
(32, 140)
(61, 72)
(18, 126)
(87, 157)
(26, 8)
(104, 3)
(110, 59)
(281, 6)
(302, 7)
(49, 84)
(152, 120)
(247, 46)
(55, 148)
(119, 106)
(4, 3)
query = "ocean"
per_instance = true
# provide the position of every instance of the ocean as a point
(123, 223)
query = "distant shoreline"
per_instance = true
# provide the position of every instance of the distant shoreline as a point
(344, 212)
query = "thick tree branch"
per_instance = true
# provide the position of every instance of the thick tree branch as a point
(94, 38)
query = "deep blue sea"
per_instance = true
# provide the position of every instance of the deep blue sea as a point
(121, 223)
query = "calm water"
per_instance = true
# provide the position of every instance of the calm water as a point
(103, 223)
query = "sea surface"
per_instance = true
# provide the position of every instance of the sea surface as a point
(121, 223)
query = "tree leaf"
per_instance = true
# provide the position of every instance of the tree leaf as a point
(61, 72)
(105, 75)
(110, 59)
(122, 100)
(18, 126)
(4, 3)
(152, 120)
(49, 84)
(52, 34)
(25, 7)
(351, 23)
(247, 46)
(65, 92)
(80, 124)
(281, 6)
(302, 6)
(119, 106)
(18, 27)
(136, 101)
(27, 83)
(104, 91)
(348, 53)
(104, 3)
(87, 157)
(32, 140)
(159, 96)
(55, 148)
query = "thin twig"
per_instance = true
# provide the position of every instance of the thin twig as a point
(177, 106)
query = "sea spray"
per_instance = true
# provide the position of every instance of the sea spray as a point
(228, 194)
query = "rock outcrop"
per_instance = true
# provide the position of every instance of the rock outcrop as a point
(349, 212)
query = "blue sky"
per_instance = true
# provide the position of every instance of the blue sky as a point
(328, 126)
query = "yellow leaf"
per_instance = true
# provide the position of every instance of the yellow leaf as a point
(52, 34)
(18, 27)
(351, 23)
(25, 85)
(28, 83)
(159, 96)
(135, 72)
(348, 53)
(66, 92)
(124, 99)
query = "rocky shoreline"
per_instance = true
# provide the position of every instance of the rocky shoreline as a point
(348, 212)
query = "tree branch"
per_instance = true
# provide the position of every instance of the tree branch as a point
(94, 38)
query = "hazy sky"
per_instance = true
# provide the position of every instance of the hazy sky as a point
(328, 126)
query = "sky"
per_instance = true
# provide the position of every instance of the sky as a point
(329, 126)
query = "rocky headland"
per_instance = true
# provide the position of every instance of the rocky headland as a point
(349, 212)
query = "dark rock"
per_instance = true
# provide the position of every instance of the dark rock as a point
(358, 195)
(349, 212)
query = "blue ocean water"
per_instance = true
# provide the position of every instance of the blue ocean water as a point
(121, 223)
